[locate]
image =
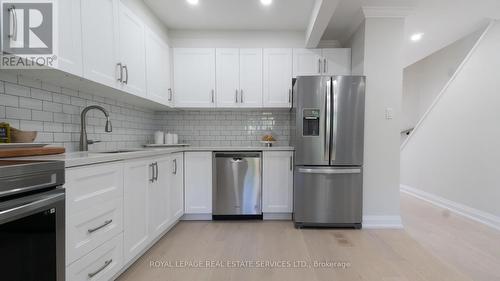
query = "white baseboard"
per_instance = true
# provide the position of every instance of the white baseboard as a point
(458, 208)
(277, 216)
(382, 222)
(196, 217)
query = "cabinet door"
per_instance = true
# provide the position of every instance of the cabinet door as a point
(132, 52)
(250, 78)
(177, 187)
(338, 61)
(277, 77)
(228, 77)
(159, 197)
(307, 62)
(194, 77)
(158, 69)
(135, 207)
(277, 182)
(100, 41)
(69, 26)
(198, 182)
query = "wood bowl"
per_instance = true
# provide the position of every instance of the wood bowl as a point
(18, 136)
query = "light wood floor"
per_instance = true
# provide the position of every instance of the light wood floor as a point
(435, 245)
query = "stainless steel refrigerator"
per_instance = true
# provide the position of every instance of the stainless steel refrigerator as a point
(328, 138)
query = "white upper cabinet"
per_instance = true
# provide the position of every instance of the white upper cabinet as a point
(250, 78)
(335, 61)
(277, 78)
(228, 77)
(277, 182)
(338, 61)
(158, 69)
(307, 62)
(132, 53)
(69, 57)
(194, 77)
(100, 41)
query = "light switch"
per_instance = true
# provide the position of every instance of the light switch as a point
(389, 113)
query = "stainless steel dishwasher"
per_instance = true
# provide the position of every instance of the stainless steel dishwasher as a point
(237, 185)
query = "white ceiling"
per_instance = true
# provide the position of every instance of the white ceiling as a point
(441, 21)
(233, 14)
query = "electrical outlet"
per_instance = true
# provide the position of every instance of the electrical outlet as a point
(389, 113)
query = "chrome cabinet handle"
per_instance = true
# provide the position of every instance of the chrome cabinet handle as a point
(152, 166)
(325, 66)
(169, 94)
(12, 10)
(175, 167)
(328, 116)
(213, 95)
(99, 227)
(329, 171)
(289, 95)
(241, 95)
(106, 264)
(120, 66)
(156, 171)
(236, 96)
(333, 153)
(291, 163)
(319, 65)
(126, 74)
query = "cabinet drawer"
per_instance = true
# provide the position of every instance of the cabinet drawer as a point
(101, 264)
(88, 187)
(86, 230)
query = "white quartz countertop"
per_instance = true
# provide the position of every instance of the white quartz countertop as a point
(74, 159)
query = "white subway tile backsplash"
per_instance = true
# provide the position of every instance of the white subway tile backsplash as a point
(17, 113)
(30, 103)
(42, 115)
(17, 90)
(8, 100)
(52, 107)
(28, 125)
(41, 94)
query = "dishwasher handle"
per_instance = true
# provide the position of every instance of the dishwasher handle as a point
(237, 155)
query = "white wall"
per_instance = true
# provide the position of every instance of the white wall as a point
(424, 80)
(357, 45)
(454, 153)
(383, 69)
(236, 39)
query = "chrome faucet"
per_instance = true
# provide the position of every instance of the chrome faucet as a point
(84, 142)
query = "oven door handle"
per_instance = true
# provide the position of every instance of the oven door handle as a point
(29, 205)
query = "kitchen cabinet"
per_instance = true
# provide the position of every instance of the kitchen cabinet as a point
(198, 182)
(100, 41)
(277, 182)
(132, 53)
(334, 61)
(160, 186)
(69, 57)
(239, 77)
(176, 194)
(277, 78)
(338, 61)
(251, 78)
(137, 176)
(307, 62)
(158, 69)
(194, 77)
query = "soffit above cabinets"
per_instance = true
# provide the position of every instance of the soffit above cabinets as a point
(233, 14)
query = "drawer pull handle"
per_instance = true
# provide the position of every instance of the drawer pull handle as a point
(106, 264)
(99, 227)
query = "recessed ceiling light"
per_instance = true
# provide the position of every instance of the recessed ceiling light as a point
(266, 2)
(416, 37)
(193, 2)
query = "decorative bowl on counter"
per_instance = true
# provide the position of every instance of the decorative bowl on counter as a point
(268, 143)
(18, 136)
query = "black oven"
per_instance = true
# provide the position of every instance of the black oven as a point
(32, 217)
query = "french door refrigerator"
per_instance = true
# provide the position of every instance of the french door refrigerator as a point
(328, 138)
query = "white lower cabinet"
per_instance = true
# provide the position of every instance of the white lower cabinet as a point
(198, 182)
(277, 182)
(159, 196)
(99, 265)
(176, 195)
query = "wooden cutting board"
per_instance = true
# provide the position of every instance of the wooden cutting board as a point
(34, 151)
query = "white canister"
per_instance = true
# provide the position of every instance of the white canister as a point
(169, 138)
(159, 137)
(175, 138)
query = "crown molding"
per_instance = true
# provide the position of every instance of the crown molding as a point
(386, 12)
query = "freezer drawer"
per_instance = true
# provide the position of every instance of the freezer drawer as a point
(328, 196)
(237, 187)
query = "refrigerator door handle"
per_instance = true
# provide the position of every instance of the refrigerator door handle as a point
(329, 171)
(334, 121)
(328, 105)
